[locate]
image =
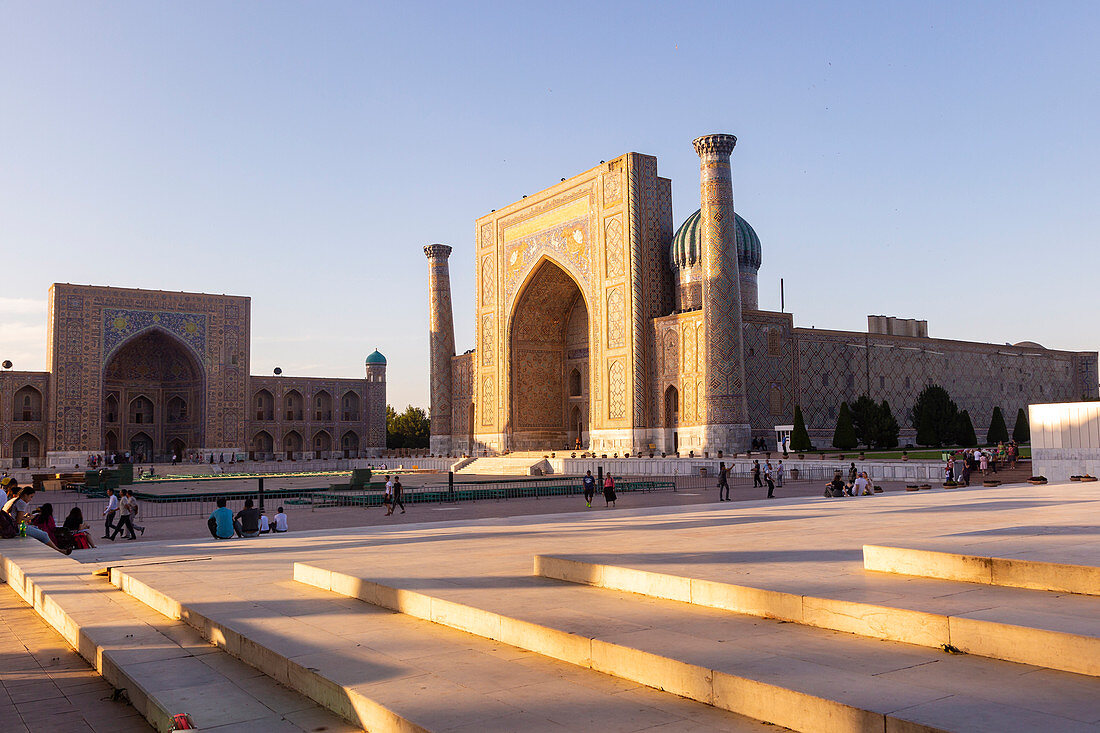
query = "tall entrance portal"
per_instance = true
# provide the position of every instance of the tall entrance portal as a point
(152, 396)
(549, 363)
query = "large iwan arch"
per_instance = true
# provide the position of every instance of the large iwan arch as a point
(159, 384)
(548, 341)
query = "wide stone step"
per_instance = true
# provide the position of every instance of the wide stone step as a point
(1069, 643)
(1005, 571)
(803, 678)
(164, 666)
(390, 672)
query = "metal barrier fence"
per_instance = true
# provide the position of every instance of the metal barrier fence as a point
(190, 505)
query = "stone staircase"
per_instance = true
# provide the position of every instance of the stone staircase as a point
(513, 464)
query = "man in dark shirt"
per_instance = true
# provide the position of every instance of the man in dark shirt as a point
(589, 488)
(247, 521)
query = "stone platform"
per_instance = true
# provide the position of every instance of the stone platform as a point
(462, 634)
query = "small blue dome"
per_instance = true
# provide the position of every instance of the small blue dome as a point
(687, 250)
(376, 358)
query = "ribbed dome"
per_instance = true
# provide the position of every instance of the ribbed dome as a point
(376, 358)
(687, 252)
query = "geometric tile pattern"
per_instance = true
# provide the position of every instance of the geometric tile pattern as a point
(725, 379)
(441, 347)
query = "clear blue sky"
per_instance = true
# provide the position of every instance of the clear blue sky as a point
(930, 160)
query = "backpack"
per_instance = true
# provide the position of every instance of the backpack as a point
(8, 529)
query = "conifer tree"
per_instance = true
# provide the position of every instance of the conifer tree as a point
(888, 428)
(998, 432)
(1021, 432)
(865, 420)
(964, 431)
(800, 439)
(935, 416)
(844, 437)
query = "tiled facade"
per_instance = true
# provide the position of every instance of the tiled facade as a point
(163, 374)
(588, 331)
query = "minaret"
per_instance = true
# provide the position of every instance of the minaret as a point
(724, 406)
(441, 344)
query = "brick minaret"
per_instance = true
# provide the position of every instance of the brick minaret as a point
(441, 344)
(724, 407)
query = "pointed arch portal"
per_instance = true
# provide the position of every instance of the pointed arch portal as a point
(548, 342)
(158, 383)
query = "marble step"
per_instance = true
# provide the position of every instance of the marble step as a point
(164, 666)
(1042, 638)
(385, 671)
(798, 677)
(1005, 571)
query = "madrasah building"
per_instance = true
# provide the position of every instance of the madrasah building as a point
(598, 322)
(165, 375)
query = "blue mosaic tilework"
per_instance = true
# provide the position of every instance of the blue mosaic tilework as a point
(120, 324)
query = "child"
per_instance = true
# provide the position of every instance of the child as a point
(265, 526)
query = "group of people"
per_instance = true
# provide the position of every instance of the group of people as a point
(20, 520)
(961, 464)
(394, 496)
(248, 522)
(858, 483)
(589, 485)
(772, 477)
(124, 506)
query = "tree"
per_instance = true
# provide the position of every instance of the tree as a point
(935, 416)
(844, 437)
(409, 429)
(964, 431)
(1021, 432)
(998, 432)
(800, 439)
(865, 419)
(888, 428)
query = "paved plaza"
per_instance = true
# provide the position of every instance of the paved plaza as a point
(370, 664)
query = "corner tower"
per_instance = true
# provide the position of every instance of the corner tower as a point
(441, 344)
(723, 403)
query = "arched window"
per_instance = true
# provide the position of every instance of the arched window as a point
(294, 405)
(265, 405)
(672, 406)
(141, 411)
(177, 410)
(350, 412)
(322, 406)
(575, 383)
(112, 409)
(27, 405)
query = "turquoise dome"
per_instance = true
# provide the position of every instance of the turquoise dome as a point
(686, 250)
(376, 358)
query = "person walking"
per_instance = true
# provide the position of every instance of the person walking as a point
(398, 495)
(723, 481)
(768, 478)
(134, 510)
(779, 474)
(124, 520)
(609, 491)
(756, 475)
(589, 488)
(109, 514)
(387, 498)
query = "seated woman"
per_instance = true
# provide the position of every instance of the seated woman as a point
(82, 537)
(16, 507)
(42, 517)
